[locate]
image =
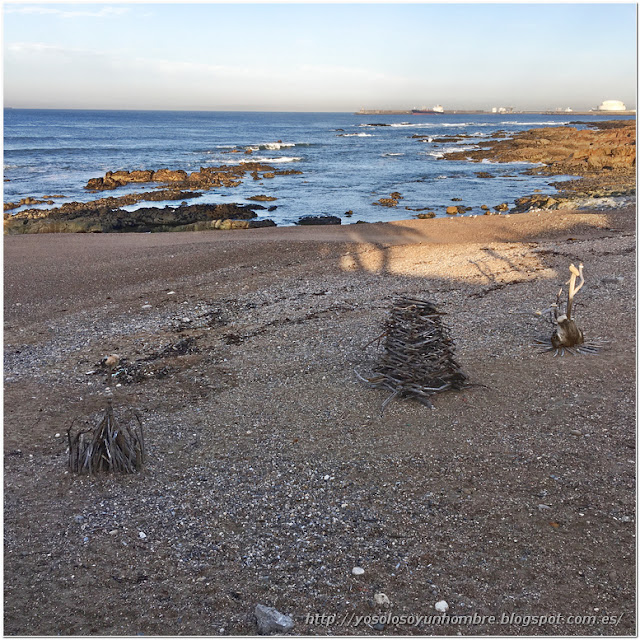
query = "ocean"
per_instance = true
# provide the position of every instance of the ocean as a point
(347, 161)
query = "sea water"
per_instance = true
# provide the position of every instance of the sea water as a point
(347, 161)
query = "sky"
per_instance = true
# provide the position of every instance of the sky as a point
(318, 57)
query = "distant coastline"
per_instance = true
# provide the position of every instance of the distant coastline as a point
(549, 112)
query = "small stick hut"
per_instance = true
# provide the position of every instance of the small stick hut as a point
(418, 358)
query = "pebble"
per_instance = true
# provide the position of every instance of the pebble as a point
(270, 620)
(142, 535)
(171, 293)
(57, 435)
(381, 599)
(357, 571)
(146, 306)
(543, 507)
(79, 519)
(378, 626)
(442, 606)
(575, 432)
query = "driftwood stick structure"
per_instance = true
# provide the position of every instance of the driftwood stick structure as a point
(418, 358)
(567, 337)
(567, 333)
(108, 447)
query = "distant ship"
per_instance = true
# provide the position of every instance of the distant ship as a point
(425, 110)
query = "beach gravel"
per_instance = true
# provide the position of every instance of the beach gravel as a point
(271, 474)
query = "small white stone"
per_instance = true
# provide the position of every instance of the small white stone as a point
(442, 606)
(57, 435)
(357, 571)
(171, 293)
(142, 535)
(146, 306)
(327, 477)
(186, 319)
(381, 599)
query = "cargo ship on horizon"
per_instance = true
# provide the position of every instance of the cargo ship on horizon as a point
(438, 109)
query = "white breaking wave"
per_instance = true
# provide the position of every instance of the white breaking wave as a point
(526, 124)
(270, 160)
(454, 149)
(356, 135)
(388, 155)
(486, 161)
(271, 146)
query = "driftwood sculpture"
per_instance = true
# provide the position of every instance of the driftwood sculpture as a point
(567, 336)
(418, 359)
(108, 447)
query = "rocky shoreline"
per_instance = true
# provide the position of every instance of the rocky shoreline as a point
(603, 156)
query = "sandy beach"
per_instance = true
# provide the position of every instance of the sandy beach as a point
(270, 471)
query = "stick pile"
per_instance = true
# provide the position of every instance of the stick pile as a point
(108, 447)
(418, 358)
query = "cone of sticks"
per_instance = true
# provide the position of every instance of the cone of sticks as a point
(418, 358)
(107, 447)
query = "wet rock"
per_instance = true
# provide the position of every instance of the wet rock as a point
(272, 621)
(88, 219)
(452, 210)
(319, 220)
(502, 207)
(425, 216)
(536, 201)
(168, 175)
(258, 224)
(262, 198)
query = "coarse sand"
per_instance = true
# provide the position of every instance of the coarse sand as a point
(270, 470)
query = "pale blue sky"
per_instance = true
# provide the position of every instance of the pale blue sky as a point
(318, 57)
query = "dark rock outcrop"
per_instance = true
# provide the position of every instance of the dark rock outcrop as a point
(324, 219)
(91, 219)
